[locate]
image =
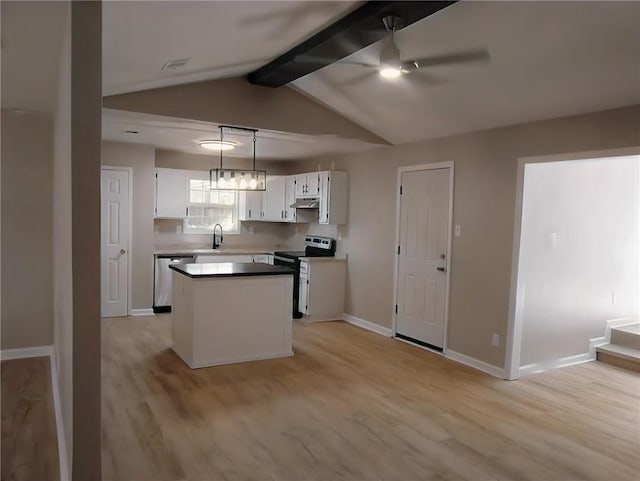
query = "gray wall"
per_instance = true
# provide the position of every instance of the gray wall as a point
(141, 158)
(27, 229)
(484, 200)
(86, 122)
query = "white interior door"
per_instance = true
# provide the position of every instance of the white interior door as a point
(115, 186)
(422, 261)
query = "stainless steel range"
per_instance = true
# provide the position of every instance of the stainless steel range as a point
(315, 246)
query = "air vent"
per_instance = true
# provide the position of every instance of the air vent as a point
(175, 64)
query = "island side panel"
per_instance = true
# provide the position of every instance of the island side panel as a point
(182, 313)
(240, 319)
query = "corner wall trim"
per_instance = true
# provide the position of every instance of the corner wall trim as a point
(25, 352)
(555, 363)
(369, 326)
(485, 367)
(142, 312)
(57, 406)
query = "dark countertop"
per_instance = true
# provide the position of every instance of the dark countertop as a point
(230, 269)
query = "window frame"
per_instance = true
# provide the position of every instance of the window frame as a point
(199, 175)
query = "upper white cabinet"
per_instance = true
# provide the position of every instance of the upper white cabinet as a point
(171, 194)
(250, 205)
(273, 199)
(308, 185)
(333, 198)
(290, 198)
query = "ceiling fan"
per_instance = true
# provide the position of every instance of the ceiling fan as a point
(392, 65)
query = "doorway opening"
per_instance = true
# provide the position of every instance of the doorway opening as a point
(424, 217)
(576, 259)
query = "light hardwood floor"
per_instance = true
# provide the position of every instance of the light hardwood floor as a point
(29, 441)
(353, 405)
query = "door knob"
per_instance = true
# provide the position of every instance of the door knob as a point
(441, 269)
(123, 251)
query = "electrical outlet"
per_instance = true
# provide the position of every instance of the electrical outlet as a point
(458, 230)
(495, 340)
(178, 228)
(251, 231)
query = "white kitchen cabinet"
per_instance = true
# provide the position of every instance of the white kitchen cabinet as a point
(273, 199)
(308, 185)
(251, 205)
(171, 194)
(322, 284)
(333, 198)
(290, 198)
(262, 258)
(206, 259)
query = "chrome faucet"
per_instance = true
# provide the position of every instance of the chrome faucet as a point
(216, 243)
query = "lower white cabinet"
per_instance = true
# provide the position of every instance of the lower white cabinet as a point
(321, 289)
(206, 259)
(262, 258)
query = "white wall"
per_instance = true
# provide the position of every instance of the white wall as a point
(62, 245)
(579, 253)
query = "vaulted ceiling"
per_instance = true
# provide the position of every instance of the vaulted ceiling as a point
(547, 59)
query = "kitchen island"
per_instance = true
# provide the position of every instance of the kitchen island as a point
(225, 313)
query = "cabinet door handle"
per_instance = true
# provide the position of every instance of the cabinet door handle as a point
(249, 213)
(187, 211)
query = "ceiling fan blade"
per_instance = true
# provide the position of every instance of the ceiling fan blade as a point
(460, 57)
(325, 61)
(357, 79)
(427, 78)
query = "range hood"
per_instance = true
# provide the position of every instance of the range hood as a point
(306, 204)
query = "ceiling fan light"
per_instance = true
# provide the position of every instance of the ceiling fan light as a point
(390, 72)
(217, 145)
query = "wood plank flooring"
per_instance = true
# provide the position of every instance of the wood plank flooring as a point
(29, 442)
(353, 405)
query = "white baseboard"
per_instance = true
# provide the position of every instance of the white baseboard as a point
(475, 363)
(555, 363)
(369, 326)
(25, 352)
(142, 312)
(57, 406)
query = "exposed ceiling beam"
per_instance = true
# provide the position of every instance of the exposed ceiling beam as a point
(357, 30)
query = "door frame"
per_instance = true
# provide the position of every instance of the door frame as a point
(129, 171)
(415, 168)
(516, 296)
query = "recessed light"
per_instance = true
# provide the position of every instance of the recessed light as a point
(217, 145)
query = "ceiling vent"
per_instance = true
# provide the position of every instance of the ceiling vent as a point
(175, 64)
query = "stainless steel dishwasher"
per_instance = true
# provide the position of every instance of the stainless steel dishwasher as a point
(162, 279)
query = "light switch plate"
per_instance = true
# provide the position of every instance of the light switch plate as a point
(457, 230)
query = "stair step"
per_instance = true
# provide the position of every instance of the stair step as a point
(628, 335)
(621, 356)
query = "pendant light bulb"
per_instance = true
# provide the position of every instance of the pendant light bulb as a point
(232, 181)
(253, 183)
(243, 182)
(221, 180)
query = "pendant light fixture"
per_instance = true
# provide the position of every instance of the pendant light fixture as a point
(238, 179)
